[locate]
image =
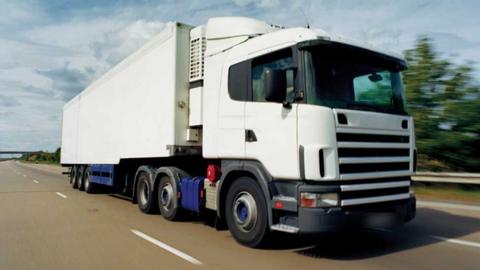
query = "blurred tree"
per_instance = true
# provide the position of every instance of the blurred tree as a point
(43, 156)
(444, 100)
(57, 154)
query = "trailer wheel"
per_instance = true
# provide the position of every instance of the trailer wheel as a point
(72, 175)
(246, 213)
(167, 198)
(81, 176)
(146, 198)
(88, 186)
(75, 177)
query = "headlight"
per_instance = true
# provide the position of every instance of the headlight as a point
(312, 200)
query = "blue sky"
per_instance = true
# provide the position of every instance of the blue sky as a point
(51, 50)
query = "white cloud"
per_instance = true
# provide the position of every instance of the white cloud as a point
(15, 13)
(25, 75)
(8, 101)
(116, 44)
(259, 3)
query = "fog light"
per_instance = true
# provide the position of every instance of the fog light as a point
(312, 200)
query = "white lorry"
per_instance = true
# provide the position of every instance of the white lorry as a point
(272, 129)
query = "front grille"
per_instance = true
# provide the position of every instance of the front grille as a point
(373, 193)
(374, 167)
(382, 207)
(355, 137)
(373, 154)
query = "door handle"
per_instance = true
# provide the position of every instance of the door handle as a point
(250, 136)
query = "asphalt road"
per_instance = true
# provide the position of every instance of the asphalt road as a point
(45, 224)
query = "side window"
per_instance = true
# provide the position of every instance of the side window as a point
(278, 60)
(238, 81)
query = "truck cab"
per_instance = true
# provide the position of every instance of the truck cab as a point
(318, 121)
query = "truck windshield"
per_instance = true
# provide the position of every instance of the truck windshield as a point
(340, 76)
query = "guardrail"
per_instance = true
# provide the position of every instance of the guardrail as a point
(452, 178)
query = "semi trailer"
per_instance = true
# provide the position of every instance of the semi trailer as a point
(269, 128)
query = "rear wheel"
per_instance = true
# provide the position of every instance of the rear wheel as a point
(81, 177)
(146, 198)
(76, 174)
(246, 213)
(88, 186)
(167, 198)
(72, 174)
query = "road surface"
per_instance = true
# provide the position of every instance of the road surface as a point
(45, 224)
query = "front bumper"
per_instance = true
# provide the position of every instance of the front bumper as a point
(385, 214)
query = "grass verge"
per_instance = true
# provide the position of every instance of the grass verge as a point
(40, 162)
(469, 194)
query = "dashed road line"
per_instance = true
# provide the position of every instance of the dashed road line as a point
(61, 195)
(167, 247)
(456, 241)
(35, 181)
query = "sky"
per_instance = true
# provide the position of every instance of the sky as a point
(51, 50)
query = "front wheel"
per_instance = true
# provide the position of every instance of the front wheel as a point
(246, 213)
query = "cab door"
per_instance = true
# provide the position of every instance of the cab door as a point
(271, 127)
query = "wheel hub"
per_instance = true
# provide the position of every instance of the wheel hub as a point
(245, 211)
(166, 196)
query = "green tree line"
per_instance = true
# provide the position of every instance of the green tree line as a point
(444, 99)
(42, 157)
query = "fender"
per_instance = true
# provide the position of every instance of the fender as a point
(253, 167)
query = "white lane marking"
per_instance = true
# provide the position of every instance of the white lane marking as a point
(167, 248)
(456, 241)
(448, 205)
(25, 176)
(35, 181)
(61, 195)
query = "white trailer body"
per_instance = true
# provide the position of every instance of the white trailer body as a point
(107, 121)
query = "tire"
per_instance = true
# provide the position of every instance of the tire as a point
(72, 175)
(81, 174)
(88, 186)
(146, 198)
(246, 213)
(74, 182)
(167, 198)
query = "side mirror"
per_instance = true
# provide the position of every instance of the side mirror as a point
(275, 85)
(375, 77)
